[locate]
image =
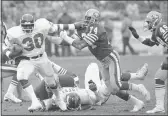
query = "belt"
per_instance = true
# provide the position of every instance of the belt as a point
(28, 58)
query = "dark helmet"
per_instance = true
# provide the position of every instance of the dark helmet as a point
(73, 101)
(27, 23)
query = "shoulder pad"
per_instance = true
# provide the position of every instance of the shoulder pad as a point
(14, 32)
(42, 23)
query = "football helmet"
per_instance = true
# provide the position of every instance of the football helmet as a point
(3, 31)
(92, 16)
(152, 19)
(27, 23)
(73, 101)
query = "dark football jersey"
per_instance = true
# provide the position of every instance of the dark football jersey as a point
(160, 35)
(96, 37)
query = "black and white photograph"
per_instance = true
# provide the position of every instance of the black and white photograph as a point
(84, 57)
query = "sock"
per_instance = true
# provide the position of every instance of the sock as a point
(133, 99)
(134, 76)
(159, 93)
(133, 87)
(28, 88)
(13, 85)
(30, 92)
(123, 95)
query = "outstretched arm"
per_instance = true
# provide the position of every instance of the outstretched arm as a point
(145, 41)
(77, 42)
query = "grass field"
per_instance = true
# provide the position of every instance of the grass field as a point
(114, 106)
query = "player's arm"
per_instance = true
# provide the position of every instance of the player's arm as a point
(145, 41)
(54, 28)
(87, 40)
(10, 49)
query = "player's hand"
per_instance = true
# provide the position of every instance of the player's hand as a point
(134, 33)
(16, 50)
(92, 85)
(63, 34)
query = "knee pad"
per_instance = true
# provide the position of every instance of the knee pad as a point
(24, 83)
(51, 83)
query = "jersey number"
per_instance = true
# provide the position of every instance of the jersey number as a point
(30, 43)
(92, 29)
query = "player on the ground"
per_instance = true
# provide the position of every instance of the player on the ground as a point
(94, 93)
(31, 35)
(94, 37)
(153, 22)
(7, 69)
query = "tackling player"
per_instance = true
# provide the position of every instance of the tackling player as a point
(30, 35)
(94, 37)
(159, 29)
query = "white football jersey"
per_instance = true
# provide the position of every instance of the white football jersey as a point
(87, 96)
(33, 43)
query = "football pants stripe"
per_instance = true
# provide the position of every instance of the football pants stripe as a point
(117, 68)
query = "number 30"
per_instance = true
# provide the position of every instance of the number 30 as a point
(36, 41)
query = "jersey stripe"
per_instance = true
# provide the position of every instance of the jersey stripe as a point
(90, 38)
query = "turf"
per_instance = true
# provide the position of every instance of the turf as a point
(114, 106)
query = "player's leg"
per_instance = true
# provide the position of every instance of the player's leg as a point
(160, 88)
(7, 71)
(139, 75)
(124, 95)
(25, 69)
(114, 71)
(63, 73)
(51, 79)
(92, 73)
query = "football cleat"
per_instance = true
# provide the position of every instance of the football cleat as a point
(140, 105)
(156, 110)
(11, 97)
(35, 107)
(142, 72)
(144, 92)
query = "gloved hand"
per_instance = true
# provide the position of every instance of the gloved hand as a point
(92, 85)
(134, 33)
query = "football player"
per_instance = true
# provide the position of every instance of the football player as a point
(31, 35)
(7, 69)
(159, 29)
(94, 93)
(94, 37)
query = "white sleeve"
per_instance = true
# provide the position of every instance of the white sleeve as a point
(55, 40)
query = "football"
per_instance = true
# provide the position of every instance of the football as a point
(16, 48)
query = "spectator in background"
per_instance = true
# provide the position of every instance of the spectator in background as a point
(65, 18)
(108, 25)
(126, 33)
